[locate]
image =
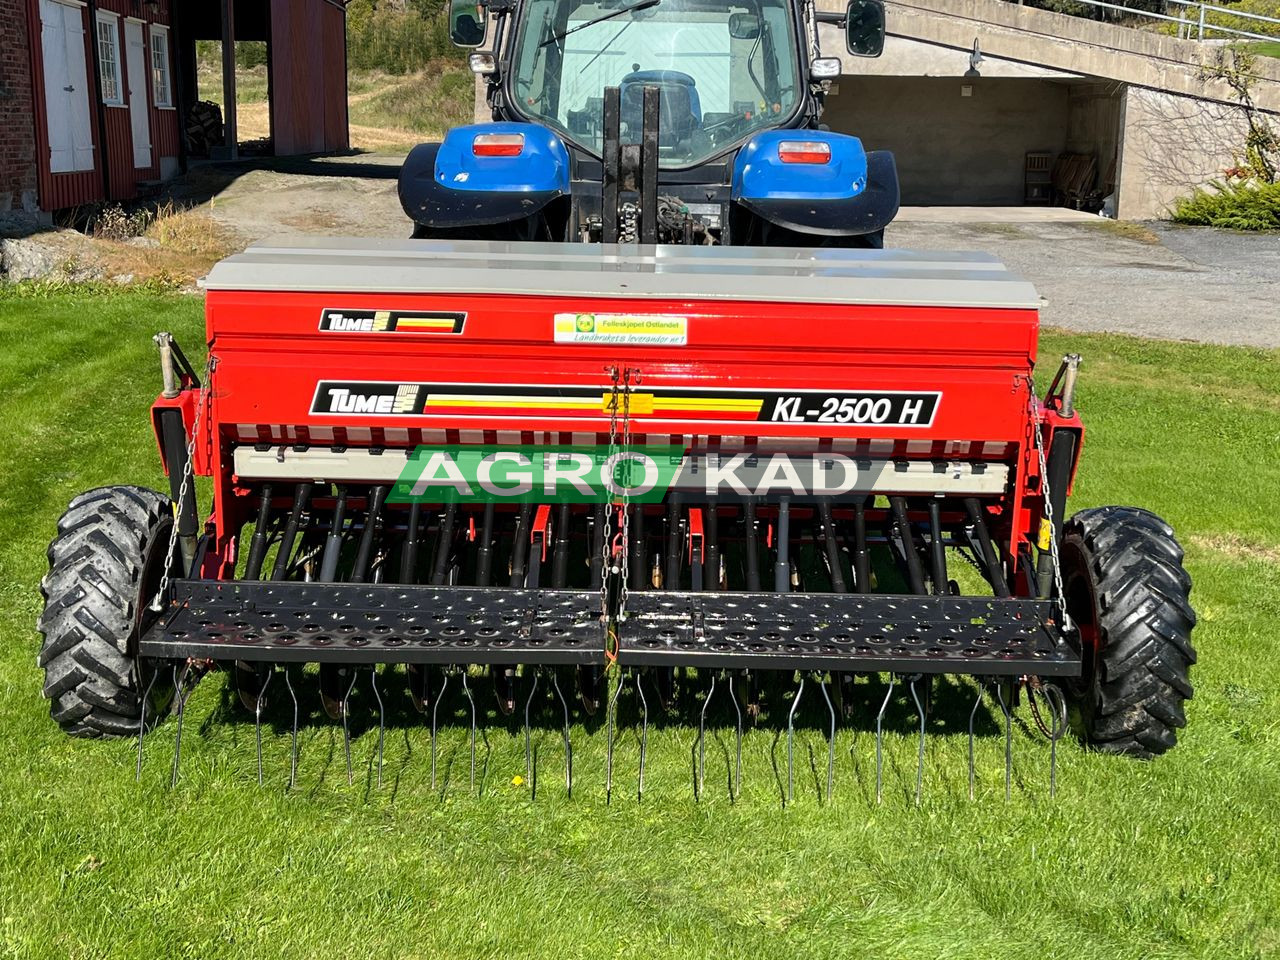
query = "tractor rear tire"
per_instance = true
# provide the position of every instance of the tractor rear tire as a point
(104, 566)
(1128, 594)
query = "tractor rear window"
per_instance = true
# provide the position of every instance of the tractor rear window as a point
(723, 69)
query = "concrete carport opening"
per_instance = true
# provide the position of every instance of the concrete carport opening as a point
(966, 140)
(968, 92)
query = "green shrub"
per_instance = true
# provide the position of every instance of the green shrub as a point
(1230, 21)
(1238, 206)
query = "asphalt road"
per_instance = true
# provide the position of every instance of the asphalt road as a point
(1152, 280)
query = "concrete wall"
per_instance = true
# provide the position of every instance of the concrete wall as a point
(1171, 144)
(1026, 35)
(953, 149)
(17, 133)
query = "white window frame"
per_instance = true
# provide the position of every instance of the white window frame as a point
(158, 31)
(110, 20)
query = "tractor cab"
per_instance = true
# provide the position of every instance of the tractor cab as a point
(722, 70)
(585, 92)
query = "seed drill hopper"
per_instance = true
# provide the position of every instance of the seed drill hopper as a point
(859, 476)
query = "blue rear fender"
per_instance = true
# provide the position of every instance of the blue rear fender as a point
(446, 185)
(853, 193)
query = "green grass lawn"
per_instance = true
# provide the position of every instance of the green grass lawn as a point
(1175, 858)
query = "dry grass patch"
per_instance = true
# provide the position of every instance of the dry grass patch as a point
(176, 244)
(1235, 547)
(1125, 230)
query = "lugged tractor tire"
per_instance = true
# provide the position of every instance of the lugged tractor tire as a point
(1129, 595)
(105, 564)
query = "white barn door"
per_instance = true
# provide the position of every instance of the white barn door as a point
(139, 113)
(66, 87)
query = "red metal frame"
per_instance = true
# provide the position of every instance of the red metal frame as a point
(270, 353)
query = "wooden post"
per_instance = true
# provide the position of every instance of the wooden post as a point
(231, 138)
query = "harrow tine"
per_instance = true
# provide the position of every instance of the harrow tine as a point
(293, 739)
(982, 688)
(1008, 742)
(373, 682)
(702, 739)
(920, 753)
(791, 717)
(644, 734)
(736, 786)
(434, 713)
(880, 739)
(178, 681)
(257, 721)
(142, 722)
(831, 743)
(466, 689)
(1058, 703)
(528, 755)
(346, 727)
(611, 713)
(568, 747)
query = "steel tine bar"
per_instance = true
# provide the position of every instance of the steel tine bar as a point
(257, 721)
(435, 710)
(568, 747)
(791, 717)
(466, 689)
(737, 765)
(528, 755)
(1058, 704)
(831, 743)
(644, 735)
(702, 739)
(293, 740)
(920, 752)
(178, 681)
(1008, 742)
(142, 720)
(982, 688)
(610, 718)
(346, 727)
(382, 726)
(880, 740)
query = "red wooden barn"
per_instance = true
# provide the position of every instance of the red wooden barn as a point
(94, 94)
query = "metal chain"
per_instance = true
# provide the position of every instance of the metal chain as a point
(625, 520)
(1033, 401)
(606, 545)
(614, 559)
(206, 387)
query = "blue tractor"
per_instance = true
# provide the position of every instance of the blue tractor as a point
(655, 121)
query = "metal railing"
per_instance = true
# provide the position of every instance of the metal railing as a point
(1199, 23)
(1195, 19)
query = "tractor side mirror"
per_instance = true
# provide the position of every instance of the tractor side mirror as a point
(864, 28)
(467, 23)
(744, 26)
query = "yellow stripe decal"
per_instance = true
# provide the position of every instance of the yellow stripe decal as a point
(640, 404)
(473, 400)
(404, 324)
